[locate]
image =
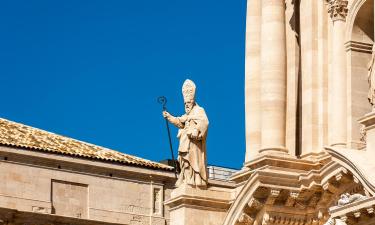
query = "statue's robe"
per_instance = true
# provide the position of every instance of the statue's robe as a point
(192, 152)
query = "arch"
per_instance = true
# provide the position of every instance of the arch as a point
(362, 172)
(352, 15)
(359, 39)
(315, 181)
(242, 199)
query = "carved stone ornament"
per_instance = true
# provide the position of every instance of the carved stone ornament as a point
(338, 9)
(348, 198)
(363, 134)
(335, 222)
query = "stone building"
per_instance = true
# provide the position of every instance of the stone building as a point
(50, 179)
(307, 114)
(310, 140)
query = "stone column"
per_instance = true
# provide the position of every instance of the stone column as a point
(252, 78)
(273, 76)
(337, 83)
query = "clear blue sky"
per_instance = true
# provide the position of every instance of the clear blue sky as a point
(92, 70)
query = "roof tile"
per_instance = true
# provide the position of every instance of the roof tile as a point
(20, 135)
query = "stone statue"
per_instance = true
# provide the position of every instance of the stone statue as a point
(192, 134)
(371, 79)
(348, 198)
(335, 222)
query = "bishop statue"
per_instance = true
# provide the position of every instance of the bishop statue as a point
(192, 134)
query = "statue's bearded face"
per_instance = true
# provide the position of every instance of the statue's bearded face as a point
(189, 106)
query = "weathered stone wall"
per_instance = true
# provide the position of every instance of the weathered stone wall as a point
(70, 187)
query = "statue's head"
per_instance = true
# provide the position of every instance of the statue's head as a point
(345, 196)
(188, 91)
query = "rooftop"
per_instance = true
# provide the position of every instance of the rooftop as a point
(23, 136)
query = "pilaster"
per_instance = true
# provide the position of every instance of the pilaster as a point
(337, 82)
(273, 78)
(252, 78)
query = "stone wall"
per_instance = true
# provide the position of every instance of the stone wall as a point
(79, 188)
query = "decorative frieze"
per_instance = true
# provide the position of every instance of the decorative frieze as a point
(331, 188)
(255, 204)
(338, 9)
(246, 219)
(274, 193)
(291, 198)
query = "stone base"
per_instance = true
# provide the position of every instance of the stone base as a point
(193, 206)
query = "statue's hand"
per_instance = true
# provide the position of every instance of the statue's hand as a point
(194, 134)
(166, 114)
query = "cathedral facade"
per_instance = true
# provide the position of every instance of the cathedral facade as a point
(310, 140)
(309, 154)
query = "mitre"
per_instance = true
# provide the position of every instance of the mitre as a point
(188, 90)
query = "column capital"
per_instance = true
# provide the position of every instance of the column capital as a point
(338, 9)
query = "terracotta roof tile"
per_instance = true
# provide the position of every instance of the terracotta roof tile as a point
(20, 135)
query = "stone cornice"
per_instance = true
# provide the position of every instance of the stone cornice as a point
(358, 212)
(338, 9)
(218, 199)
(308, 163)
(339, 211)
(297, 192)
(358, 46)
(83, 166)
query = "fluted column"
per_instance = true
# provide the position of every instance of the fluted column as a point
(273, 76)
(337, 83)
(252, 78)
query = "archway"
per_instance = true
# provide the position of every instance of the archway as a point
(360, 36)
(266, 198)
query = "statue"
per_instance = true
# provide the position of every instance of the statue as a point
(332, 221)
(371, 79)
(192, 134)
(348, 198)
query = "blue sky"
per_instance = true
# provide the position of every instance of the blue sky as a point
(92, 70)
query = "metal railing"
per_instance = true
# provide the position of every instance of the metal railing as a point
(220, 173)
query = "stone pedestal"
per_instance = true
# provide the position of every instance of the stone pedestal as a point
(369, 122)
(192, 206)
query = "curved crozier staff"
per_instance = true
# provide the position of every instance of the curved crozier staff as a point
(163, 101)
(192, 134)
(371, 80)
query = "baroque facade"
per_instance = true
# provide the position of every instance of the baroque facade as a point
(309, 154)
(310, 140)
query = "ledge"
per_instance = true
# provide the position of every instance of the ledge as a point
(186, 196)
(357, 46)
(338, 211)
